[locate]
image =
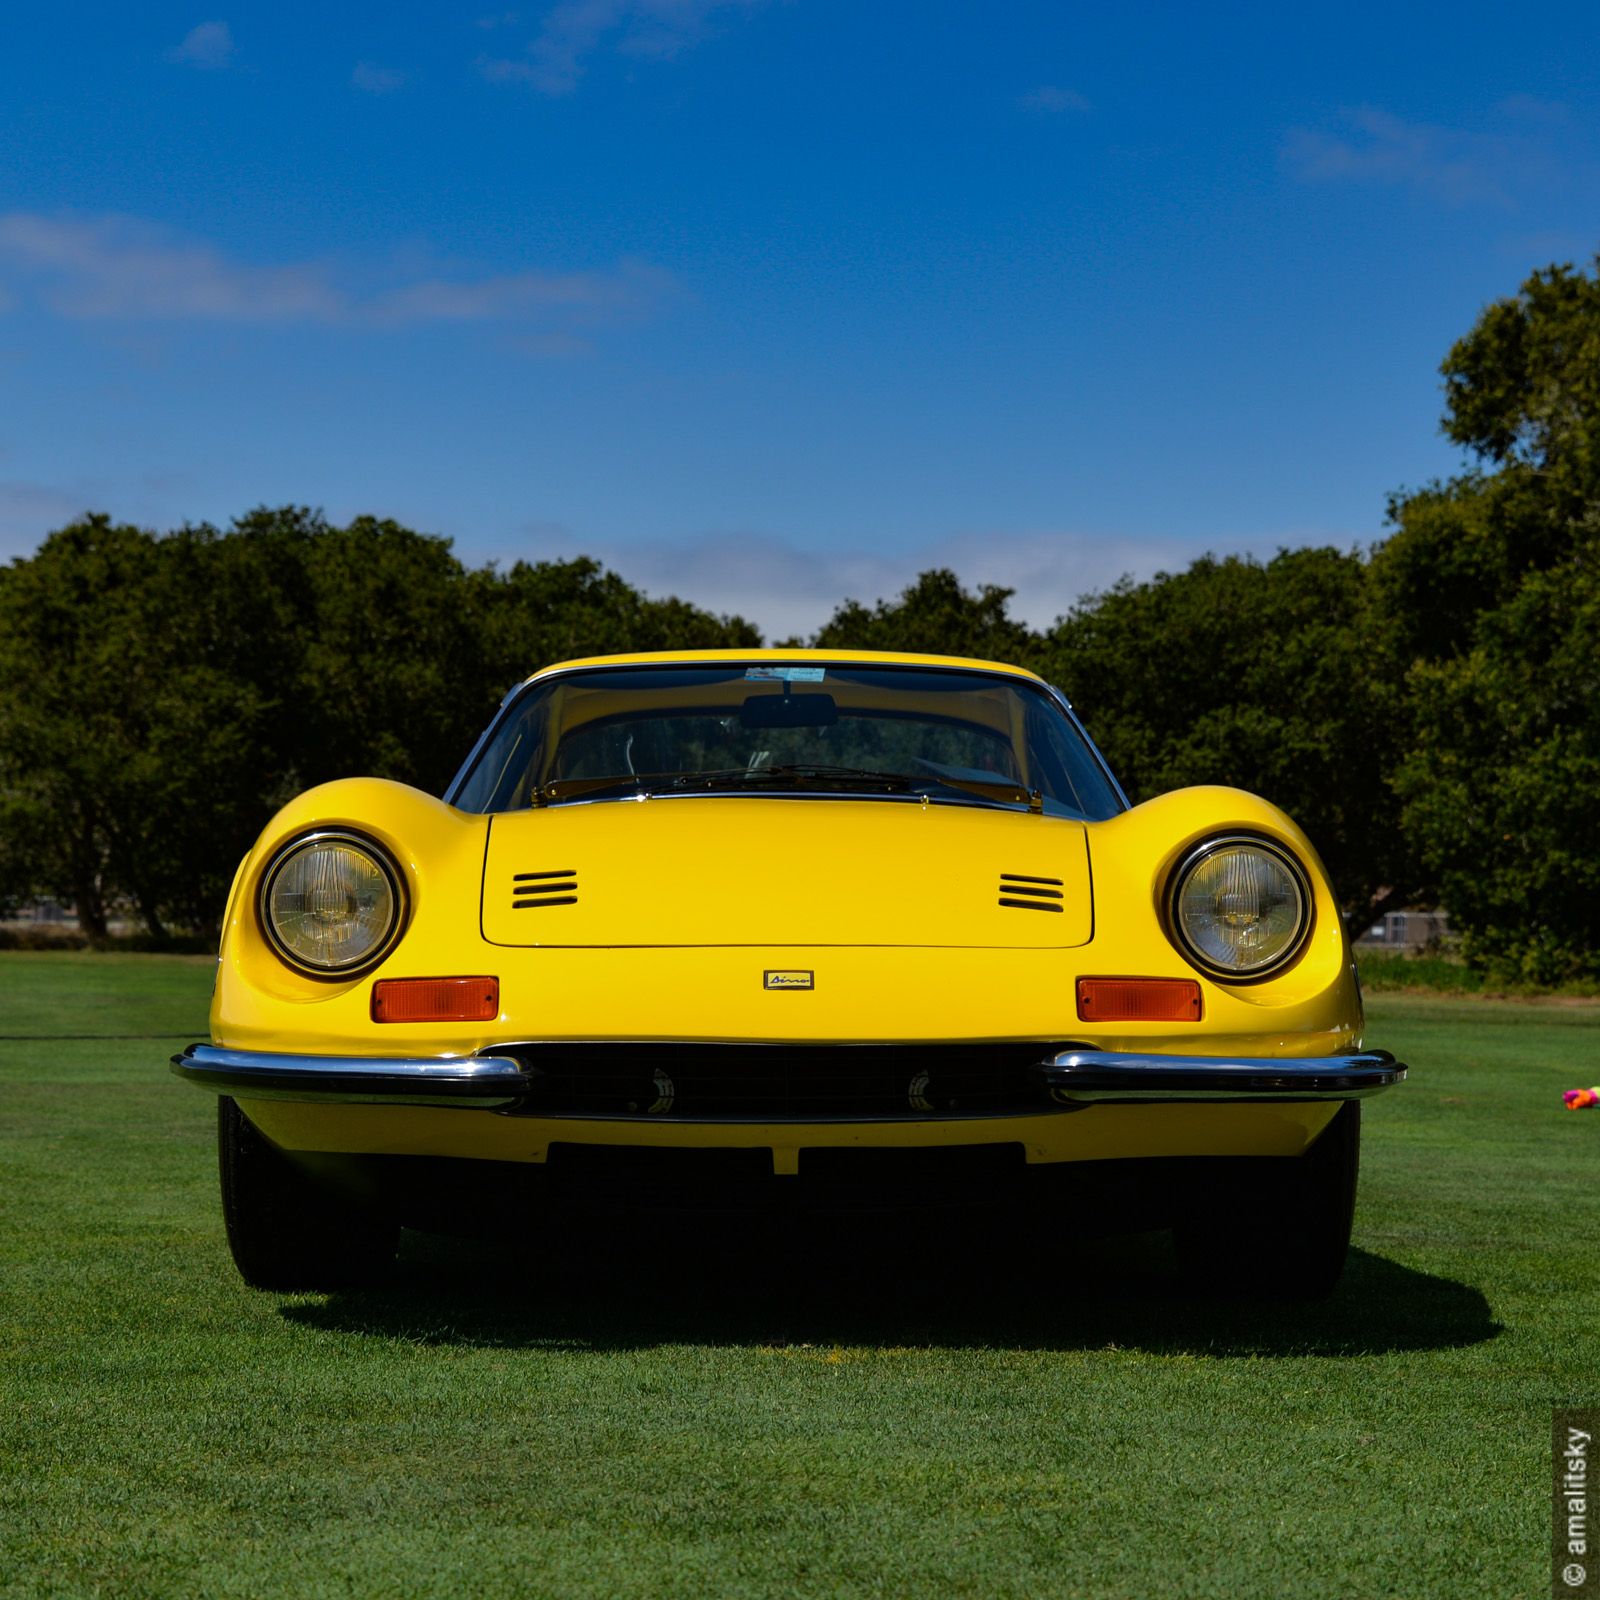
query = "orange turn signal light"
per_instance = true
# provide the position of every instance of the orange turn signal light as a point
(436, 1000)
(1138, 1000)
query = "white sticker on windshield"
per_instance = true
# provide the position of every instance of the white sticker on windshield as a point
(787, 674)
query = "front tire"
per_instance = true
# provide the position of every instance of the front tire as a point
(1273, 1227)
(286, 1230)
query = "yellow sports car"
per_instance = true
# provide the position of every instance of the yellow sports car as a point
(739, 925)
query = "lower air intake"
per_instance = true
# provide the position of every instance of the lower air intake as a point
(782, 1083)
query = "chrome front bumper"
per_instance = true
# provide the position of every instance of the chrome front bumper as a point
(1084, 1075)
(1072, 1078)
(478, 1082)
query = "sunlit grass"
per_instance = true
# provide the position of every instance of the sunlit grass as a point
(658, 1407)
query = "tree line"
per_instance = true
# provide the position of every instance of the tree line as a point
(1428, 709)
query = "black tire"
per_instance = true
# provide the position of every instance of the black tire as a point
(286, 1230)
(1280, 1229)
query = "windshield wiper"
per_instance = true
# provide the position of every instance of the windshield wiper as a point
(799, 774)
(998, 790)
(800, 771)
(587, 788)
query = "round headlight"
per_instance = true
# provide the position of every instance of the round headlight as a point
(1240, 907)
(331, 903)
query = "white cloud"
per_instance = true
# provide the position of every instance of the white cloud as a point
(111, 266)
(209, 47)
(1053, 99)
(572, 31)
(123, 268)
(790, 590)
(517, 296)
(1451, 164)
(373, 79)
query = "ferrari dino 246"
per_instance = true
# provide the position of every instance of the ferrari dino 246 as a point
(787, 916)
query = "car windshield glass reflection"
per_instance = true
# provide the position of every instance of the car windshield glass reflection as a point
(968, 738)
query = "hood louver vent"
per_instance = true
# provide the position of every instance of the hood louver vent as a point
(530, 890)
(1023, 893)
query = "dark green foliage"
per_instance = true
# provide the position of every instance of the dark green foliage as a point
(1503, 786)
(112, 712)
(1456, 551)
(160, 697)
(1524, 384)
(1259, 675)
(1392, 972)
(548, 611)
(1490, 590)
(936, 615)
(371, 633)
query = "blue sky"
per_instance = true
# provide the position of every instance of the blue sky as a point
(767, 302)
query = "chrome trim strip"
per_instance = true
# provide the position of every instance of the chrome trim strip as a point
(1085, 1075)
(475, 1081)
(1083, 733)
(454, 786)
(1073, 1078)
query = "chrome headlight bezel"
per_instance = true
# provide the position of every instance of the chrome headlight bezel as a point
(385, 864)
(1202, 852)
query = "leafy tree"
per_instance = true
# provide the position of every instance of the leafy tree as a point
(1485, 595)
(160, 696)
(1523, 387)
(934, 614)
(372, 645)
(1258, 675)
(107, 717)
(1501, 787)
(538, 613)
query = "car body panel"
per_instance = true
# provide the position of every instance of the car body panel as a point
(674, 871)
(902, 991)
(1096, 1133)
(888, 906)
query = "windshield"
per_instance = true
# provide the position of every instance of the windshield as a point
(970, 738)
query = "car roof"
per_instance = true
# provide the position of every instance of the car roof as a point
(896, 658)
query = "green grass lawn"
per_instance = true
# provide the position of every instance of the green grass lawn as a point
(661, 1409)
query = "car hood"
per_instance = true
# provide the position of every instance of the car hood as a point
(726, 870)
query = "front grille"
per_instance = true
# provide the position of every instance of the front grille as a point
(530, 891)
(1021, 892)
(782, 1082)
